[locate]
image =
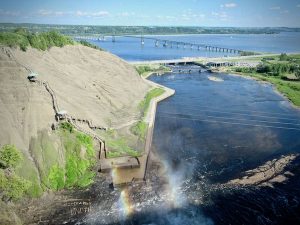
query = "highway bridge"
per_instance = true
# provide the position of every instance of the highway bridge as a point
(165, 43)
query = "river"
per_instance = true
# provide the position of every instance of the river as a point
(131, 49)
(207, 135)
(214, 129)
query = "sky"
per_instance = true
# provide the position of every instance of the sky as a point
(239, 13)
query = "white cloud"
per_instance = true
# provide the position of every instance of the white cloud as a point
(223, 16)
(229, 5)
(275, 8)
(44, 12)
(220, 14)
(284, 11)
(9, 13)
(126, 14)
(100, 14)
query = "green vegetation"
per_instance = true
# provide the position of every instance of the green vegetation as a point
(144, 105)
(56, 168)
(245, 53)
(12, 186)
(66, 126)
(118, 145)
(88, 44)
(9, 156)
(282, 71)
(80, 159)
(56, 177)
(42, 41)
(145, 70)
(140, 129)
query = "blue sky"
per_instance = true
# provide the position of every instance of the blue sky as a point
(242, 13)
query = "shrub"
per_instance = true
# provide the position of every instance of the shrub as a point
(283, 57)
(67, 127)
(297, 73)
(56, 177)
(263, 68)
(77, 171)
(10, 156)
(140, 129)
(143, 69)
(12, 187)
(88, 44)
(43, 41)
(245, 53)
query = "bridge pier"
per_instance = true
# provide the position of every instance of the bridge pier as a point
(142, 41)
(113, 38)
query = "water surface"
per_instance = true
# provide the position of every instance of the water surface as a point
(131, 49)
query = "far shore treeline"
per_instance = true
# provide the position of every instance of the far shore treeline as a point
(74, 30)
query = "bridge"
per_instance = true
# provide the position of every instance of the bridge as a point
(205, 60)
(166, 43)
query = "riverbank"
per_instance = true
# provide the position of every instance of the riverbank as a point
(127, 175)
(282, 71)
(290, 91)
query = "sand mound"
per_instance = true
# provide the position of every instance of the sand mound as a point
(88, 83)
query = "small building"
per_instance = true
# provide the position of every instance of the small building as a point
(61, 115)
(32, 77)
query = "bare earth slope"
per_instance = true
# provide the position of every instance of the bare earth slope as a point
(88, 83)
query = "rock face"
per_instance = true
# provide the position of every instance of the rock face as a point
(273, 171)
(89, 84)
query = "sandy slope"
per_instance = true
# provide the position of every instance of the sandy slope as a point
(88, 83)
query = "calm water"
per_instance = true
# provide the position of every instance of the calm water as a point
(130, 48)
(211, 132)
(207, 134)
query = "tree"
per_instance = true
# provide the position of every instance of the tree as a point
(283, 57)
(263, 68)
(10, 156)
(297, 73)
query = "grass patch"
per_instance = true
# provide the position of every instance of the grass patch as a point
(144, 70)
(140, 129)
(12, 186)
(118, 145)
(27, 171)
(144, 105)
(66, 126)
(56, 177)
(23, 39)
(80, 160)
(90, 45)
